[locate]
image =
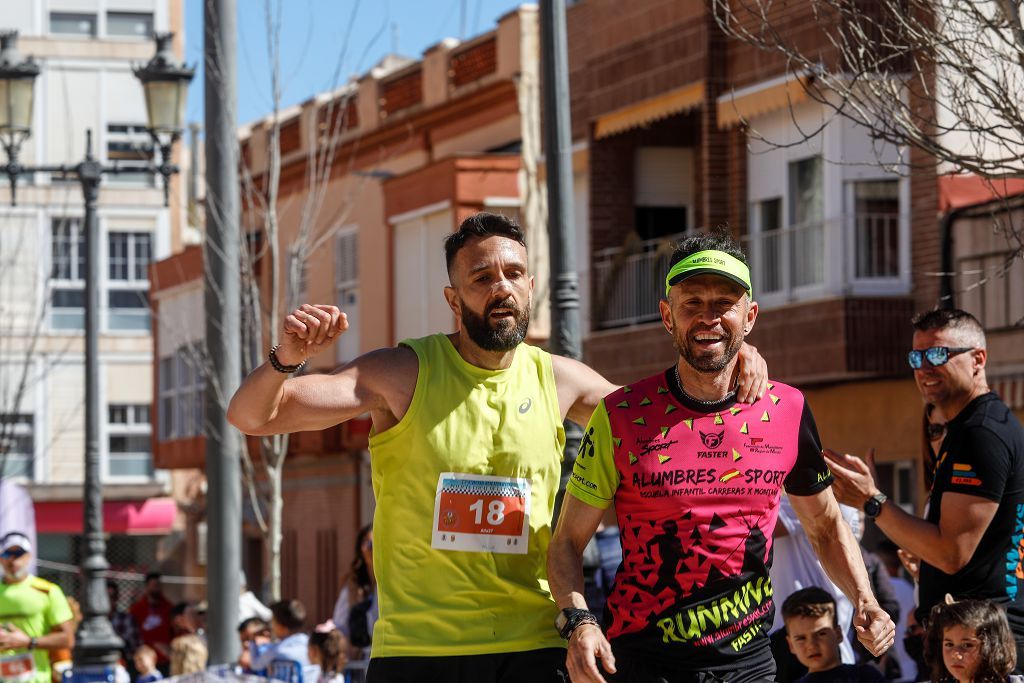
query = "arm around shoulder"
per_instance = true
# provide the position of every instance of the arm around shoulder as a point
(580, 388)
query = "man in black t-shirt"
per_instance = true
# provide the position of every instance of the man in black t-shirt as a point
(968, 540)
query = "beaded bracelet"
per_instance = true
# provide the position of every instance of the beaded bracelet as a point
(276, 364)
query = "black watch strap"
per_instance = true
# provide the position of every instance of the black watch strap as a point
(568, 620)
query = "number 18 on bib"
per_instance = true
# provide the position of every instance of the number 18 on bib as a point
(481, 513)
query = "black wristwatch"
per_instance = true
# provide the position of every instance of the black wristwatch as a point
(873, 505)
(569, 619)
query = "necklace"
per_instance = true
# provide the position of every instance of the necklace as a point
(679, 383)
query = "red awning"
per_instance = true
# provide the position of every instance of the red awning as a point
(137, 517)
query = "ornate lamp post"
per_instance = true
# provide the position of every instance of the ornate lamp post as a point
(165, 83)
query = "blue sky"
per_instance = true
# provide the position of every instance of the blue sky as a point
(313, 42)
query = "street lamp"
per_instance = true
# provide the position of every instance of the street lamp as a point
(165, 83)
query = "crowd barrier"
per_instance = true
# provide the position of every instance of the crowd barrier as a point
(283, 671)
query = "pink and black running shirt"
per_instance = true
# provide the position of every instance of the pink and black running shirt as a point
(696, 490)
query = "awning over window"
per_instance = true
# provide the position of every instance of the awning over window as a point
(653, 109)
(137, 517)
(757, 100)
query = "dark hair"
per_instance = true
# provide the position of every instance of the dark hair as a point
(480, 225)
(997, 654)
(291, 614)
(810, 602)
(179, 609)
(360, 570)
(331, 645)
(153, 575)
(963, 323)
(717, 239)
(112, 585)
(253, 623)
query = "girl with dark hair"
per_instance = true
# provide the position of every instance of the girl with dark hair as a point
(327, 650)
(355, 612)
(969, 641)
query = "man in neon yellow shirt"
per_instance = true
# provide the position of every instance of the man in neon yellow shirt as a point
(466, 451)
(34, 616)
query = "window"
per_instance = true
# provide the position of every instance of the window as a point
(67, 275)
(768, 224)
(128, 441)
(347, 260)
(182, 385)
(17, 445)
(130, 143)
(128, 258)
(73, 24)
(807, 236)
(130, 24)
(663, 182)
(877, 228)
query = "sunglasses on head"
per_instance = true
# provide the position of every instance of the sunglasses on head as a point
(13, 553)
(936, 355)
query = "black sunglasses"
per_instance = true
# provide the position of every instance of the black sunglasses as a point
(936, 355)
(13, 553)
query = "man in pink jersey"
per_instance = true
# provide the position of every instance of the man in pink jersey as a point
(696, 480)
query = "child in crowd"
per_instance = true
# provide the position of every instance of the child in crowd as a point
(254, 635)
(813, 635)
(327, 650)
(969, 641)
(188, 655)
(145, 665)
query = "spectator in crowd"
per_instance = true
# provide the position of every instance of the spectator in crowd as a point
(249, 605)
(188, 655)
(124, 625)
(355, 611)
(35, 616)
(972, 524)
(970, 642)
(796, 566)
(288, 618)
(152, 615)
(813, 634)
(888, 552)
(184, 620)
(327, 650)
(254, 635)
(145, 665)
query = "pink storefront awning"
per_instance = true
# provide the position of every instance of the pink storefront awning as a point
(152, 516)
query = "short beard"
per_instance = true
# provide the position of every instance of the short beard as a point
(19, 575)
(709, 364)
(501, 338)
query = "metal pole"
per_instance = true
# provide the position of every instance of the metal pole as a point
(565, 297)
(223, 334)
(96, 644)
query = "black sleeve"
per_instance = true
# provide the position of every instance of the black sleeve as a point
(978, 464)
(810, 473)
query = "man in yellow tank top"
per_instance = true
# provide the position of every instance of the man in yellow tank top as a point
(466, 452)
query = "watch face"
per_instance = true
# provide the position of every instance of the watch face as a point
(872, 507)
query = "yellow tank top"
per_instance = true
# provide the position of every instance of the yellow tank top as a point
(465, 486)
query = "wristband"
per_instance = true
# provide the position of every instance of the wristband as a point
(31, 643)
(277, 365)
(568, 620)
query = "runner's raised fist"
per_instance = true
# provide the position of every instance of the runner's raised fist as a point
(308, 330)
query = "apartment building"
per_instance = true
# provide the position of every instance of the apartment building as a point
(398, 157)
(86, 50)
(685, 129)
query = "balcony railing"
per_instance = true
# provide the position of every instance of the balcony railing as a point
(787, 258)
(629, 281)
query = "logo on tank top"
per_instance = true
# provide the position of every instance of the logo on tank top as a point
(524, 407)
(712, 440)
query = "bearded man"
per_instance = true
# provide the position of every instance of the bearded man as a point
(674, 451)
(466, 452)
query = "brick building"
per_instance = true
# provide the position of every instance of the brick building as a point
(416, 146)
(685, 130)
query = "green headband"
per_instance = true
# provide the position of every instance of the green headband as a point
(710, 262)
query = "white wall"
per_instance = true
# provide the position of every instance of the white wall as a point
(420, 275)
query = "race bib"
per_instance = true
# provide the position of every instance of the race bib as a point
(481, 513)
(19, 668)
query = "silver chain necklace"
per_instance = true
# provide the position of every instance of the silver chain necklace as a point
(679, 383)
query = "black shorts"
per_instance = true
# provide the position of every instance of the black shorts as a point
(532, 666)
(638, 670)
